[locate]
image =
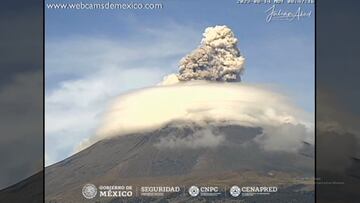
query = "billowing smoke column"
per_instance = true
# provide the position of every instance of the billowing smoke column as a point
(216, 59)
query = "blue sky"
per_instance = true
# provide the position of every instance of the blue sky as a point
(93, 56)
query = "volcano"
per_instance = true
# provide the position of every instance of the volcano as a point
(201, 126)
(146, 159)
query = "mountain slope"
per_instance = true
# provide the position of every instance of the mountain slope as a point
(178, 154)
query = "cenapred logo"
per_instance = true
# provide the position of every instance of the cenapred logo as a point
(235, 191)
(89, 191)
(194, 191)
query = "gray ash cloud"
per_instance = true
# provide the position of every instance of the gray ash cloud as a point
(216, 59)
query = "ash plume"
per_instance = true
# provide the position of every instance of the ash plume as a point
(216, 59)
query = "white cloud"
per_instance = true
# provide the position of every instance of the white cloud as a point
(83, 74)
(201, 102)
(203, 138)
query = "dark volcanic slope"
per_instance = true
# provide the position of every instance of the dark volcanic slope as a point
(171, 154)
(29, 190)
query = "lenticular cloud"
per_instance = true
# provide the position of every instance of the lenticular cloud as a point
(204, 102)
